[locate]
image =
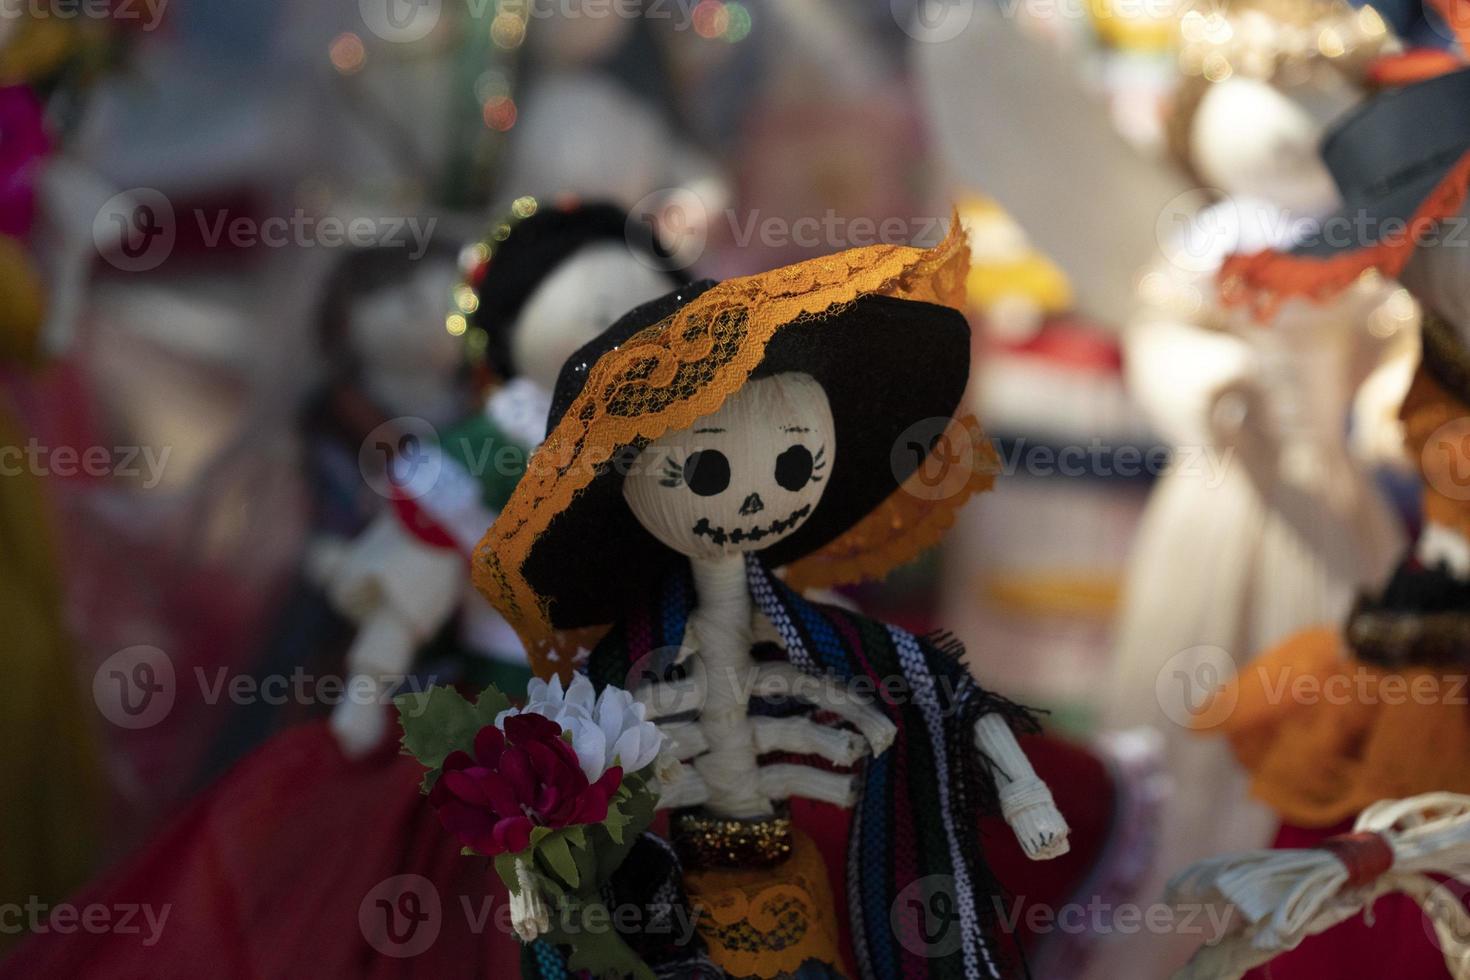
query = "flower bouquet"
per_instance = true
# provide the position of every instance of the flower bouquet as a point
(556, 793)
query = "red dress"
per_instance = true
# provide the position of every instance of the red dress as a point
(298, 863)
(302, 863)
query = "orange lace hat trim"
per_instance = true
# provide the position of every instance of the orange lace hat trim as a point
(668, 375)
(1265, 280)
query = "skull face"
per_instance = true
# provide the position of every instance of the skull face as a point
(743, 478)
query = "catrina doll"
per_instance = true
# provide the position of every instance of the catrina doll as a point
(545, 280)
(301, 854)
(1290, 526)
(1388, 718)
(804, 418)
(384, 356)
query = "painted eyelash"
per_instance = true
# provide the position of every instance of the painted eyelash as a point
(673, 475)
(819, 463)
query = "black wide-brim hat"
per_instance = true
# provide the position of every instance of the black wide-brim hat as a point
(1401, 162)
(879, 328)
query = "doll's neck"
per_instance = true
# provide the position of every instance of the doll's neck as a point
(720, 591)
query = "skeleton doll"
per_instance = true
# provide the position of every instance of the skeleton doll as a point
(736, 482)
(704, 439)
(560, 275)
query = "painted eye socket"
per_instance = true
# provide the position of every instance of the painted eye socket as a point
(794, 468)
(707, 472)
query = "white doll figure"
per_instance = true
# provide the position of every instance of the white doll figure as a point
(1401, 160)
(545, 282)
(704, 440)
(1266, 523)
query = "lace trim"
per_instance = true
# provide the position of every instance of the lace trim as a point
(684, 367)
(767, 922)
(908, 523)
(1265, 280)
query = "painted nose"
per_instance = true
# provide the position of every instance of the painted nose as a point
(752, 505)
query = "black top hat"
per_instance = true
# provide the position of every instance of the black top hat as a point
(1388, 155)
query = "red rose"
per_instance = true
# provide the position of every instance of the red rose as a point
(525, 777)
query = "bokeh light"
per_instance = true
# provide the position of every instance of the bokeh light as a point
(347, 53)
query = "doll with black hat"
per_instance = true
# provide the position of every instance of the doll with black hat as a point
(1396, 726)
(544, 280)
(801, 418)
(1282, 533)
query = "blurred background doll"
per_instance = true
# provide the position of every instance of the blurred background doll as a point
(379, 330)
(1401, 160)
(1286, 524)
(543, 282)
(595, 118)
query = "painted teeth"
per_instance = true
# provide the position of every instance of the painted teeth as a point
(719, 535)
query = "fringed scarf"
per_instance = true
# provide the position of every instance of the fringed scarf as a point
(917, 810)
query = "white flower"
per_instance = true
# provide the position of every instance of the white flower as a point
(610, 729)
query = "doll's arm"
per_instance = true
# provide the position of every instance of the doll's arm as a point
(1025, 800)
(399, 590)
(379, 657)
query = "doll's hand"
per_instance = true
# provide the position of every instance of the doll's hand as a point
(1038, 825)
(359, 726)
(530, 918)
(377, 661)
(1025, 801)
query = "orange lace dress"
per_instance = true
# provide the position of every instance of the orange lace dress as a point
(1335, 718)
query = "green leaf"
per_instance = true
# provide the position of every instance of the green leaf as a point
(626, 820)
(439, 721)
(576, 835)
(616, 821)
(505, 867)
(594, 944)
(554, 890)
(490, 703)
(435, 723)
(559, 858)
